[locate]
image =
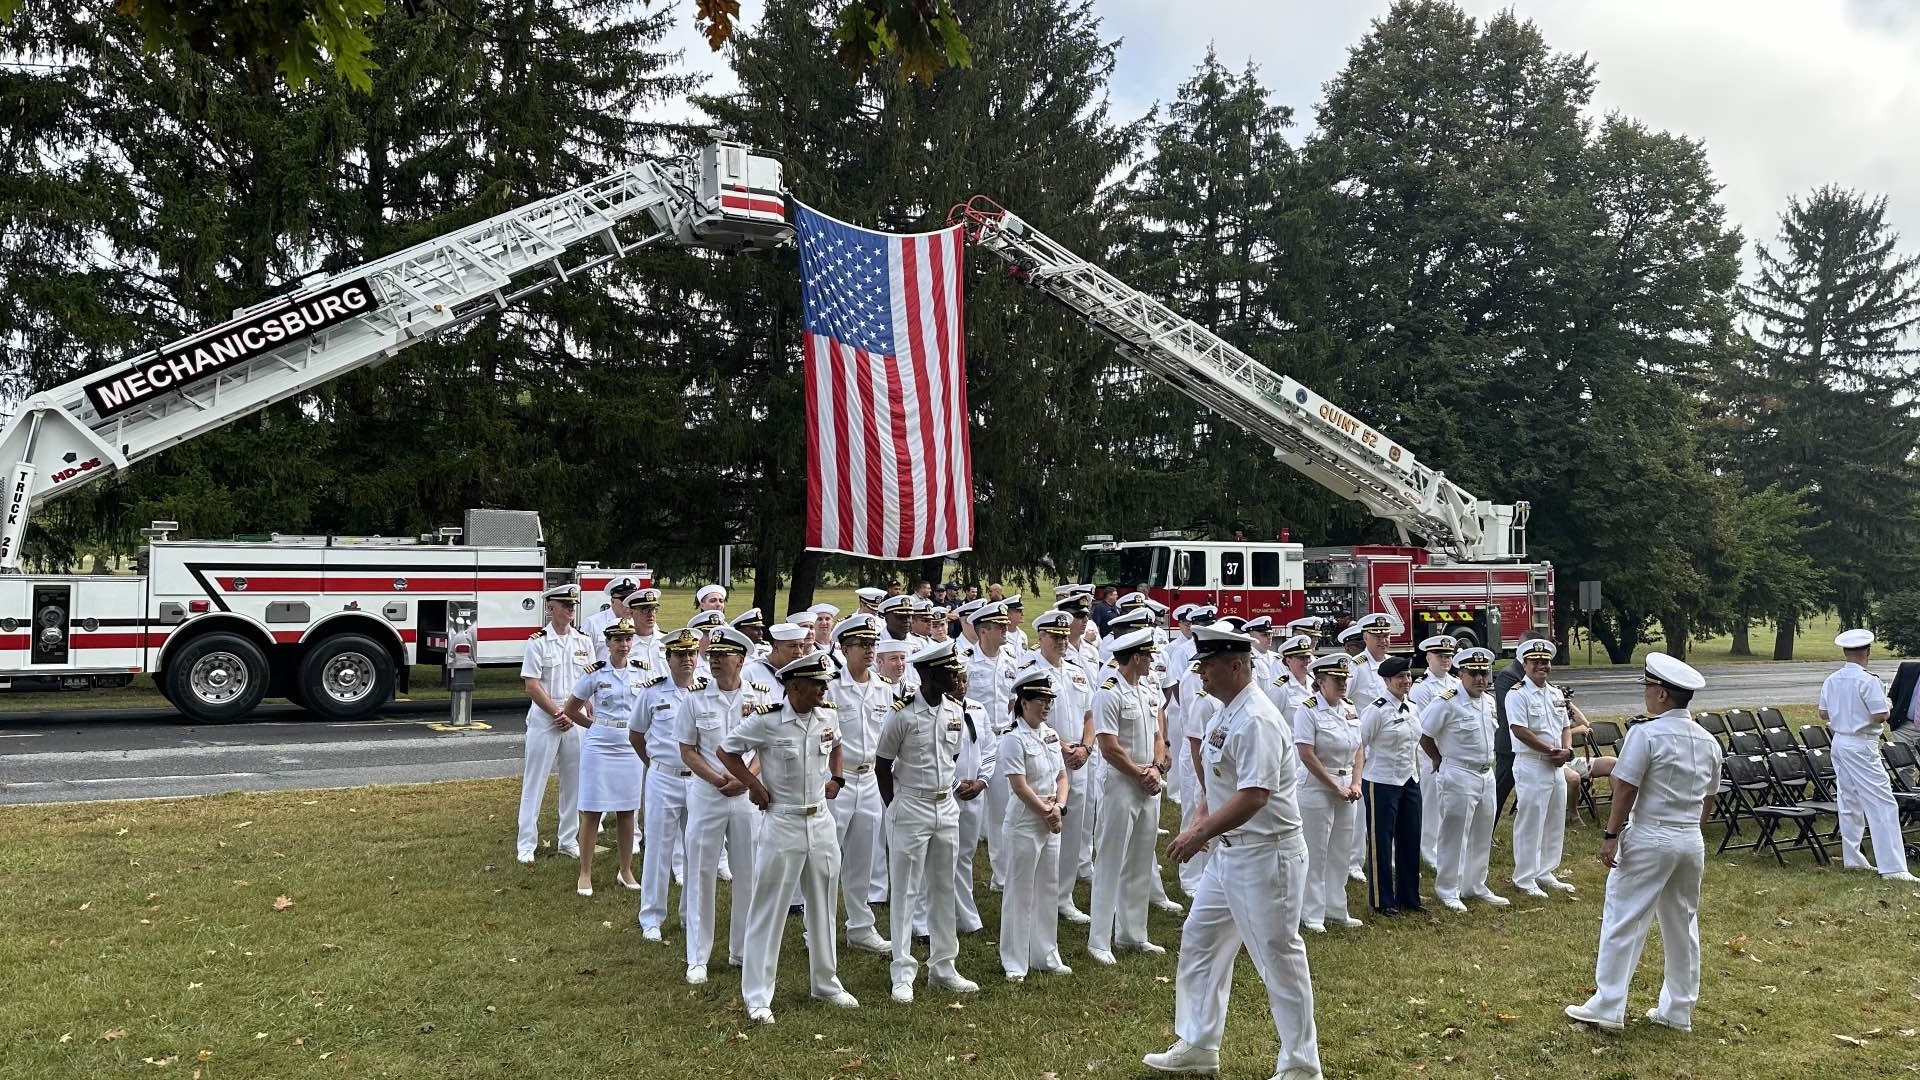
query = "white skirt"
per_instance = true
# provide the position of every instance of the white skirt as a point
(610, 775)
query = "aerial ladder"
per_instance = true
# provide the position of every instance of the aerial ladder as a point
(724, 198)
(1308, 432)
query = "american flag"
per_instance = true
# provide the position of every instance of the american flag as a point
(890, 473)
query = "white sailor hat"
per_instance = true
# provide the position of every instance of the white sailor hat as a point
(940, 654)
(749, 617)
(644, 598)
(1297, 645)
(1474, 659)
(967, 609)
(1350, 633)
(565, 594)
(818, 666)
(1035, 682)
(1261, 625)
(618, 628)
(870, 596)
(1061, 592)
(1664, 669)
(1054, 621)
(939, 613)
(1011, 602)
(1306, 624)
(1141, 639)
(890, 646)
(1156, 607)
(1232, 622)
(1132, 600)
(727, 640)
(685, 639)
(859, 628)
(922, 608)
(1213, 639)
(708, 620)
(1334, 664)
(1535, 649)
(619, 587)
(1851, 639)
(824, 609)
(1202, 614)
(786, 631)
(802, 619)
(994, 614)
(899, 604)
(706, 591)
(1440, 643)
(1375, 622)
(1181, 611)
(1138, 617)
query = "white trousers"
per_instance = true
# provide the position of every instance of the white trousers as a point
(923, 835)
(714, 819)
(856, 820)
(794, 850)
(1658, 876)
(1327, 823)
(1076, 835)
(1866, 803)
(1250, 896)
(666, 830)
(1466, 832)
(545, 750)
(1429, 816)
(1122, 862)
(993, 828)
(973, 820)
(1029, 910)
(1190, 799)
(1539, 818)
(877, 884)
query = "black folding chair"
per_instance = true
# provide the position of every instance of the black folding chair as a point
(1605, 738)
(1745, 786)
(1772, 717)
(1779, 740)
(1743, 743)
(1903, 769)
(1715, 725)
(1816, 736)
(1790, 783)
(1742, 720)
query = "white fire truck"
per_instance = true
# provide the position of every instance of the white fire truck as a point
(332, 622)
(1472, 579)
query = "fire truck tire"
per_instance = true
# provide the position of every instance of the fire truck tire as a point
(217, 677)
(345, 677)
(1467, 638)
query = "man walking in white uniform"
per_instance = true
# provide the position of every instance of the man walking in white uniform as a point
(555, 658)
(1663, 788)
(1128, 738)
(1537, 714)
(863, 699)
(1456, 733)
(1854, 702)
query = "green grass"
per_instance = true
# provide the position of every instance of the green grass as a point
(416, 947)
(1814, 642)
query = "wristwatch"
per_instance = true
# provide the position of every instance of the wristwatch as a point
(1605, 835)
(841, 780)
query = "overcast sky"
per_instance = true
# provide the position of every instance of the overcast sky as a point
(1786, 94)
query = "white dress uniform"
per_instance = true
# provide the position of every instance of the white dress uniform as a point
(923, 741)
(1185, 719)
(989, 682)
(1675, 765)
(595, 627)
(976, 760)
(1288, 693)
(1252, 890)
(1462, 726)
(1200, 720)
(1425, 688)
(1327, 819)
(666, 798)
(557, 660)
(1123, 848)
(1854, 701)
(707, 715)
(798, 846)
(1029, 912)
(1073, 688)
(857, 811)
(1539, 789)
(609, 780)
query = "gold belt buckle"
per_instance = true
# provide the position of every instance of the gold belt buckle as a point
(809, 811)
(941, 794)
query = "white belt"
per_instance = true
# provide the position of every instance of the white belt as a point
(668, 770)
(1667, 823)
(617, 725)
(1341, 772)
(795, 811)
(858, 769)
(1466, 766)
(929, 794)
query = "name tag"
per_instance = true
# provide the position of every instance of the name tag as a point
(1051, 738)
(953, 725)
(1218, 739)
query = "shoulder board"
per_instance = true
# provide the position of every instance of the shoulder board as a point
(597, 665)
(1203, 693)
(826, 705)
(1313, 701)
(1379, 701)
(889, 680)
(655, 681)
(1422, 676)
(700, 683)
(537, 634)
(763, 710)
(1445, 694)
(762, 687)
(640, 664)
(1110, 683)
(900, 703)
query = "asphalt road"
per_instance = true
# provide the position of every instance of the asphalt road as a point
(143, 754)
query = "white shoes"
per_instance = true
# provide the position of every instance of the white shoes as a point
(1058, 968)
(1453, 903)
(1184, 1058)
(525, 858)
(955, 982)
(1148, 947)
(1552, 882)
(903, 993)
(630, 886)
(650, 933)
(1074, 915)
(570, 852)
(1533, 891)
(839, 1000)
(1169, 905)
(1899, 876)
(583, 890)
(1357, 876)
(696, 974)
(1584, 1016)
(1299, 1074)
(1491, 897)
(1102, 956)
(1316, 927)
(871, 941)
(761, 1016)
(1351, 923)
(1653, 1014)
(1016, 976)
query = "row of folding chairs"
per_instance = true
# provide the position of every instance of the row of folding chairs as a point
(1789, 797)
(1760, 731)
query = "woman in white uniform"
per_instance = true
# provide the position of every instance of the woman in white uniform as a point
(1326, 730)
(609, 766)
(1030, 758)
(1292, 686)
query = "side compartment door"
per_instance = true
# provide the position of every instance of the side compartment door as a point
(110, 623)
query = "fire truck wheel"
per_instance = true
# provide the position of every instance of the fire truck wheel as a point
(1467, 638)
(345, 677)
(217, 677)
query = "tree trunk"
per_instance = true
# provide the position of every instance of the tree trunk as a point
(1619, 641)
(1783, 635)
(1674, 629)
(1741, 645)
(806, 577)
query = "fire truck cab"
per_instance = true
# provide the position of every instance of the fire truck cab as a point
(1244, 578)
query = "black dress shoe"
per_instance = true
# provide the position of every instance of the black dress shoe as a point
(1388, 912)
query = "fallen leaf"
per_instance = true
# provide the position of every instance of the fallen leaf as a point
(1049, 1076)
(1417, 1002)
(1161, 979)
(817, 1037)
(491, 1009)
(1454, 1058)
(326, 1055)
(1850, 1040)
(241, 883)
(194, 986)
(737, 1037)
(85, 906)
(204, 1055)
(1738, 945)
(259, 1034)
(426, 1028)
(1452, 1033)
(146, 922)
(282, 903)
(957, 1006)
(243, 825)
(1506, 1018)
(851, 1064)
(969, 1058)
(299, 1040)
(162, 1062)
(67, 1038)
(1783, 923)
(113, 1033)
(122, 832)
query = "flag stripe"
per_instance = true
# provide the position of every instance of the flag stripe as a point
(934, 376)
(818, 489)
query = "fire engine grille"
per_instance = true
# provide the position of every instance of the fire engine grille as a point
(503, 528)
